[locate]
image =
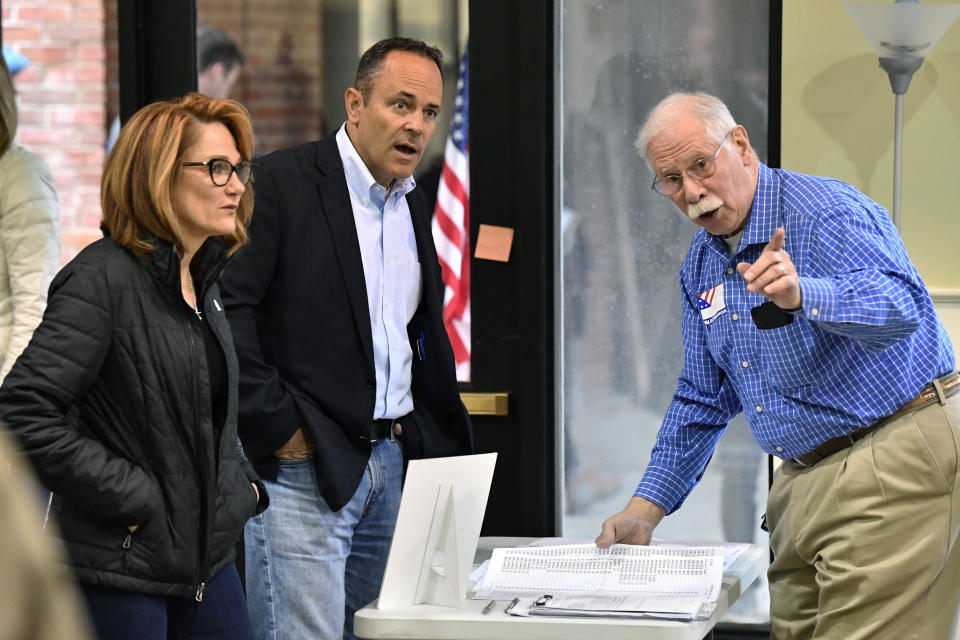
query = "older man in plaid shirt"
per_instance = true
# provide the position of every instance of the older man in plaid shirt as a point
(802, 309)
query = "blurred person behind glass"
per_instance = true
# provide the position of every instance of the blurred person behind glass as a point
(219, 64)
(125, 400)
(29, 232)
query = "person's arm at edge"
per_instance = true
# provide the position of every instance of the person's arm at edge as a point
(30, 233)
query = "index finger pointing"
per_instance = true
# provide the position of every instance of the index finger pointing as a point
(777, 241)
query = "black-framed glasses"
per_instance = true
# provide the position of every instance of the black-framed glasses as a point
(702, 168)
(221, 170)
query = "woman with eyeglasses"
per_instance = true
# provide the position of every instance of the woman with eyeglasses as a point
(125, 400)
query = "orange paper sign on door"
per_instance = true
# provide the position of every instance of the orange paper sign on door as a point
(493, 243)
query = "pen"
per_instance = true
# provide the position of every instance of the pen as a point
(512, 604)
(487, 608)
(421, 346)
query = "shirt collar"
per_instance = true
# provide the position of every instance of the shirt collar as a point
(765, 214)
(763, 219)
(359, 179)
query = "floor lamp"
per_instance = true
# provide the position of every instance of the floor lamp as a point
(901, 33)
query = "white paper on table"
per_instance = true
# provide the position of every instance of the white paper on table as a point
(619, 570)
(731, 550)
(477, 574)
(553, 542)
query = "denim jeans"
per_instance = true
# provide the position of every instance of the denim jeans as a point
(308, 569)
(120, 615)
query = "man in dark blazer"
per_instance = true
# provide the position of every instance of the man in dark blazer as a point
(346, 368)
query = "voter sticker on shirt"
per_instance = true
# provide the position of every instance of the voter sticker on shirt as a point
(711, 304)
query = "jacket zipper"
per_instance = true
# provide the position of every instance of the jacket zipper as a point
(203, 551)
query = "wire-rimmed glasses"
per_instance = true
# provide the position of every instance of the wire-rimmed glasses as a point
(702, 168)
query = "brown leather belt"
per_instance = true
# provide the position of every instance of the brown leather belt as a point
(949, 384)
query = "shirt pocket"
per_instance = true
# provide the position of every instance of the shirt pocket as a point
(791, 356)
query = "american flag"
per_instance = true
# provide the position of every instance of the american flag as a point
(451, 228)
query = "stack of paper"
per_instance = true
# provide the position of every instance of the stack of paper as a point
(624, 580)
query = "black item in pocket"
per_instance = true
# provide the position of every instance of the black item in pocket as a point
(770, 316)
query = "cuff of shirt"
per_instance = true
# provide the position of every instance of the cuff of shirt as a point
(818, 296)
(663, 488)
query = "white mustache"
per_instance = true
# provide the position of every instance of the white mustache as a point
(697, 209)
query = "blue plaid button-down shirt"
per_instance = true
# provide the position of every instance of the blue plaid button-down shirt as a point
(865, 341)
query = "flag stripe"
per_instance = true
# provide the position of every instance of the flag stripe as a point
(451, 229)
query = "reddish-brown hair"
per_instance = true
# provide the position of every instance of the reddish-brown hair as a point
(142, 170)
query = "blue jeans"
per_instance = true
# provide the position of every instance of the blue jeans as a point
(120, 615)
(308, 569)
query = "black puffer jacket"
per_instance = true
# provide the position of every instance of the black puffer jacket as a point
(111, 402)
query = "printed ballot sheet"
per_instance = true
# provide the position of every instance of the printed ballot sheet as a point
(730, 550)
(621, 570)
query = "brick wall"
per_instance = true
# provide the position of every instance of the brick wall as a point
(281, 83)
(69, 94)
(62, 102)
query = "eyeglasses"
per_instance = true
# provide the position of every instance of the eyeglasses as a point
(221, 170)
(702, 168)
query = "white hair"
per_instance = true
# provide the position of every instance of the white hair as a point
(711, 110)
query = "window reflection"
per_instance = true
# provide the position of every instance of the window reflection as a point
(622, 246)
(301, 56)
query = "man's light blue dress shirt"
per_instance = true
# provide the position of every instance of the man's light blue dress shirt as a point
(388, 248)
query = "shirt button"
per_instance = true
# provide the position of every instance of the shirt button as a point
(735, 317)
(779, 449)
(814, 312)
(386, 304)
(745, 364)
(730, 270)
(759, 409)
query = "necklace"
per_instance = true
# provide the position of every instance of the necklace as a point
(193, 292)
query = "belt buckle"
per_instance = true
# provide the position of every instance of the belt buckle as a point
(389, 430)
(941, 395)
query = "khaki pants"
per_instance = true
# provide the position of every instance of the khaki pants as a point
(865, 542)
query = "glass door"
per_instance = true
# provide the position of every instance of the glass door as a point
(621, 249)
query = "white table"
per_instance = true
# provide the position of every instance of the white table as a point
(432, 622)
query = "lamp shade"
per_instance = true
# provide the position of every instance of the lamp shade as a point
(902, 29)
